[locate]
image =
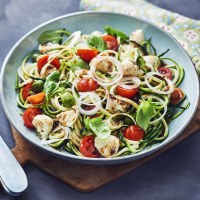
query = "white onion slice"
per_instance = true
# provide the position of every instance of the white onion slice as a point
(100, 80)
(97, 103)
(135, 81)
(56, 104)
(169, 82)
(75, 38)
(84, 94)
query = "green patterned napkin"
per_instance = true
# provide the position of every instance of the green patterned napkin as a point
(184, 29)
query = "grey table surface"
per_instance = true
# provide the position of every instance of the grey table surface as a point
(173, 175)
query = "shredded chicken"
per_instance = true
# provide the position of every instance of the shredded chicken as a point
(115, 105)
(131, 69)
(137, 36)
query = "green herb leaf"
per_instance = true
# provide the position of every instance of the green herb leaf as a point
(115, 32)
(51, 83)
(97, 42)
(145, 112)
(54, 36)
(77, 63)
(99, 127)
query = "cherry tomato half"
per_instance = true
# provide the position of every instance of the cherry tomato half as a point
(133, 132)
(37, 98)
(111, 42)
(87, 85)
(87, 54)
(166, 72)
(44, 59)
(25, 91)
(176, 96)
(128, 93)
(87, 147)
(29, 115)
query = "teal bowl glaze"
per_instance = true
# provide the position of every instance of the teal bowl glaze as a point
(87, 22)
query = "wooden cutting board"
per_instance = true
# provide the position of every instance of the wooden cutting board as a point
(86, 178)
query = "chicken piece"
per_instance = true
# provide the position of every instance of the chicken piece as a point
(107, 147)
(105, 66)
(137, 36)
(48, 47)
(67, 118)
(127, 51)
(131, 69)
(151, 60)
(115, 105)
(82, 73)
(43, 125)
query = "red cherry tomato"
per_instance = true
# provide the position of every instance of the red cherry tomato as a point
(133, 132)
(87, 147)
(29, 115)
(111, 42)
(44, 59)
(25, 91)
(165, 71)
(87, 54)
(176, 96)
(128, 93)
(87, 85)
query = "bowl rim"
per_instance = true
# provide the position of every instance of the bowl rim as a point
(86, 159)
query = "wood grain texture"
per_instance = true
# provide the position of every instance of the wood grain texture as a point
(82, 177)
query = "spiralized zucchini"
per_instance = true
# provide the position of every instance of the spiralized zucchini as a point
(107, 94)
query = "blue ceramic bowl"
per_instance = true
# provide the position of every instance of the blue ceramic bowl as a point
(87, 22)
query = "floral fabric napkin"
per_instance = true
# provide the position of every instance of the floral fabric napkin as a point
(184, 29)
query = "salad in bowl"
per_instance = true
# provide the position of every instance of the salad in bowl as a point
(99, 95)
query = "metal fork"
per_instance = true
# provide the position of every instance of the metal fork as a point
(12, 176)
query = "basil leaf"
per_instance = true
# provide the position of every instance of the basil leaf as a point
(51, 83)
(145, 112)
(99, 127)
(115, 32)
(97, 42)
(77, 63)
(50, 36)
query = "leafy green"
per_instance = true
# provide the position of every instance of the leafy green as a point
(99, 127)
(145, 112)
(51, 83)
(54, 36)
(77, 63)
(115, 32)
(141, 63)
(97, 42)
